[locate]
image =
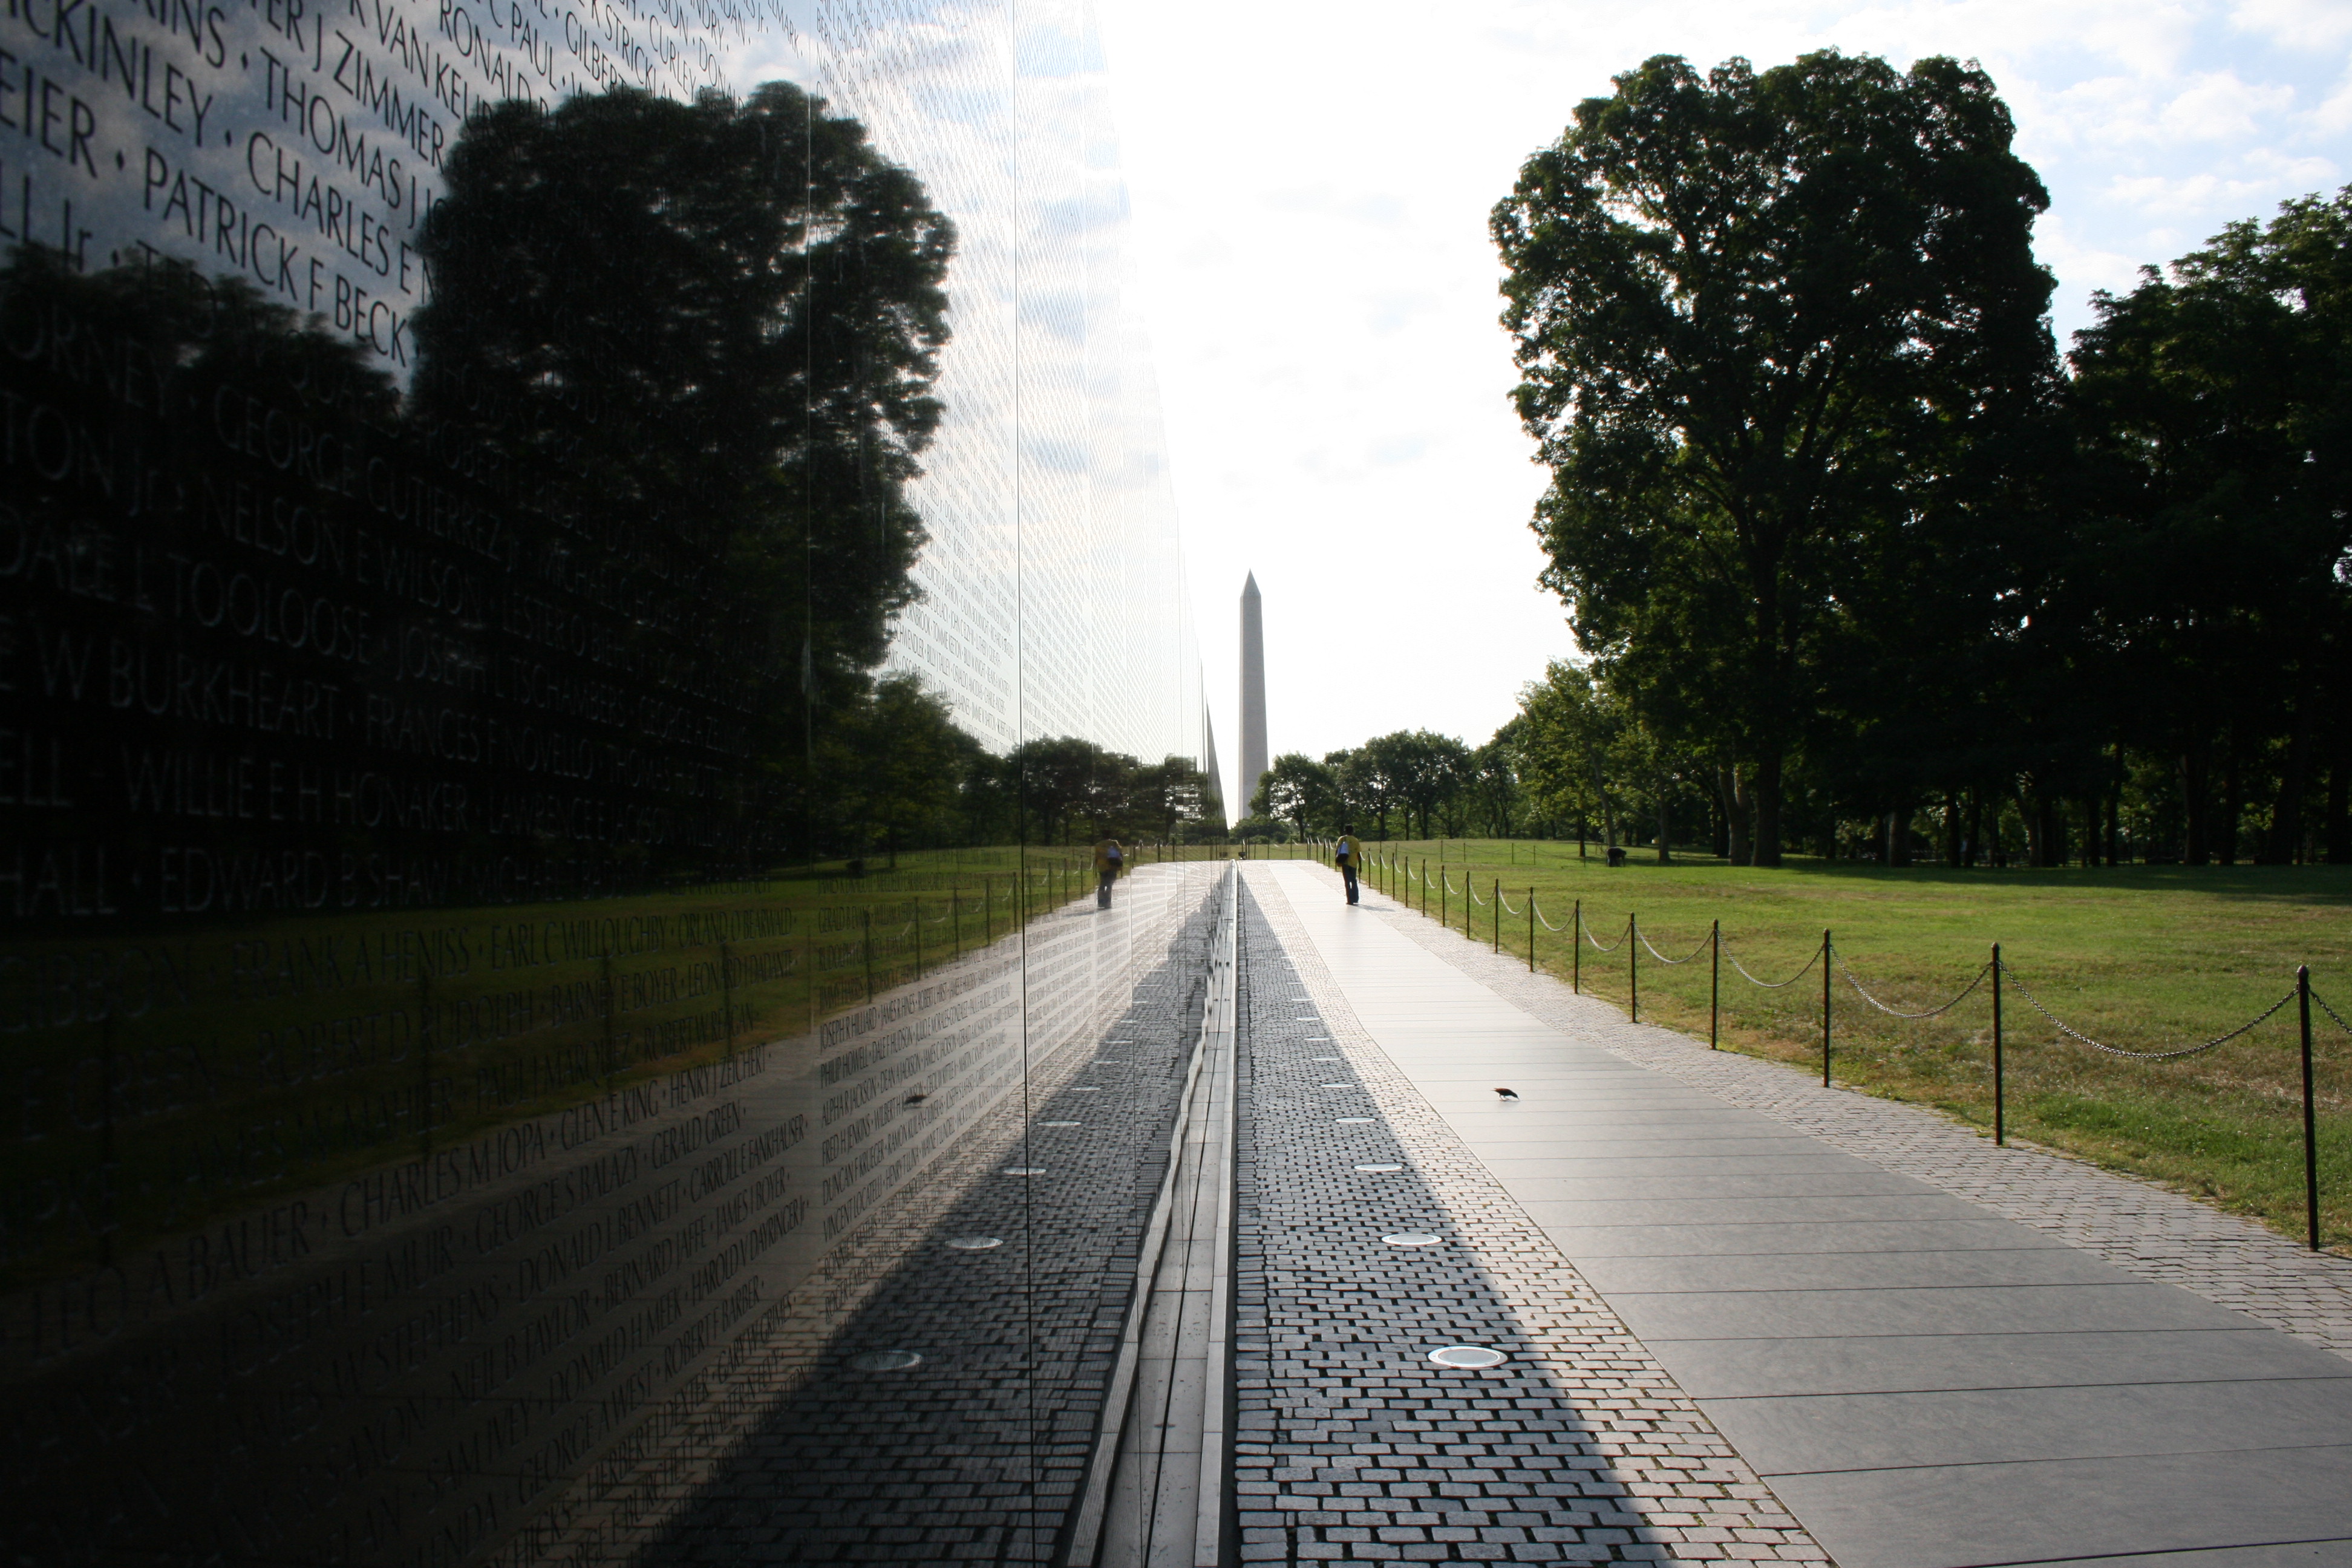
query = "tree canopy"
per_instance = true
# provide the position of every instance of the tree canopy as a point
(1765, 322)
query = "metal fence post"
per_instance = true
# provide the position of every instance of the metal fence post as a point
(1999, 1119)
(1714, 986)
(1576, 950)
(1443, 888)
(1531, 930)
(1498, 915)
(1633, 961)
(2310, 1126)
(1825, 1009)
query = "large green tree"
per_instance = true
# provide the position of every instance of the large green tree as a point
(1759, 317)
(1299, 790)
(2214, 402)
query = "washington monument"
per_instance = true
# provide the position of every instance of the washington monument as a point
(1252, 696)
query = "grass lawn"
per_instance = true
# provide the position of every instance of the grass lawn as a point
(2145, 958)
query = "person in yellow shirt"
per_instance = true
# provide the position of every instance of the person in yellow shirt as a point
(1348, 855)
(1109, 860)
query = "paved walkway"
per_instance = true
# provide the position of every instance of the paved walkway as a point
(1934, 1353)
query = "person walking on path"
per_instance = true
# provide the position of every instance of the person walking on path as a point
(1344, 854)
(1108, 858)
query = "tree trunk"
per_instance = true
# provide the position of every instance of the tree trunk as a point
(1898, 834)
(2233, 802)
(1665, 831)
(1743, 845)
(2193, 845)
(1972, 846)
(2115, 809)
(1767, 791)
(1582, 831)
(1951, 829)
(2338, 828)
(2285, 846)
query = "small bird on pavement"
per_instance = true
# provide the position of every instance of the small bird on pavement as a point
(1507, 1095)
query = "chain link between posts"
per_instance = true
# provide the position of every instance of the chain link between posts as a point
(1966, 991)
(1594, 939)
(2331, 1013)
(2073, 1034)
(1660, 957)
(1770, 985)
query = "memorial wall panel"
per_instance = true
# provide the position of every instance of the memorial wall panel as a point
(578, 583)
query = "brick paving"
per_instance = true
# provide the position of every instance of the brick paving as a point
(2138, 1226)
(1351, 1447)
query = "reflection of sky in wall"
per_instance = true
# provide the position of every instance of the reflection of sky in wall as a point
(295, 146)
(1049, 477)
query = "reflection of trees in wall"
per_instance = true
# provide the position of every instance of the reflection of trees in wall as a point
(1066, 790)
(700, 340)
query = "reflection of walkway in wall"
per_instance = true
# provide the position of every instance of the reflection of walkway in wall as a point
(1695, 1243)
(986, 1155)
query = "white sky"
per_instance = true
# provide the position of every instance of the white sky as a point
(1311, 185)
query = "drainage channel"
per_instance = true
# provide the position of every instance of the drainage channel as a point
(1157, 1486)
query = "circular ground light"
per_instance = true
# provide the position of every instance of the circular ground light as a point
(1024, 1170)
(1061, 1124)
(1313, 1059)
(1468, 1356)
(885, 1360)
(1335, 1086)
(1355, 1121)
(1412, 1239)
(1383, 1166)
(975, 1243)
(1085, 1089)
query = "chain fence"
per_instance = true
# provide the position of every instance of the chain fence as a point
(1832, 960)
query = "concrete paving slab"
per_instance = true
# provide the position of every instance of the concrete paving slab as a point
(2332, 1554)
(1917, 1269)
(1737, 1369)
(1880, 1206)
(1954, 1310)
(1990, 1516)
(1804, 1434)
(1926, 1383)
(1713, 1175)
(1784, 1176)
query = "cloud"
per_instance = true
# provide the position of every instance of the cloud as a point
(2295, 24)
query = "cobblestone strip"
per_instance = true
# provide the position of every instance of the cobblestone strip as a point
(1350, 1445)
(2141, 1228)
